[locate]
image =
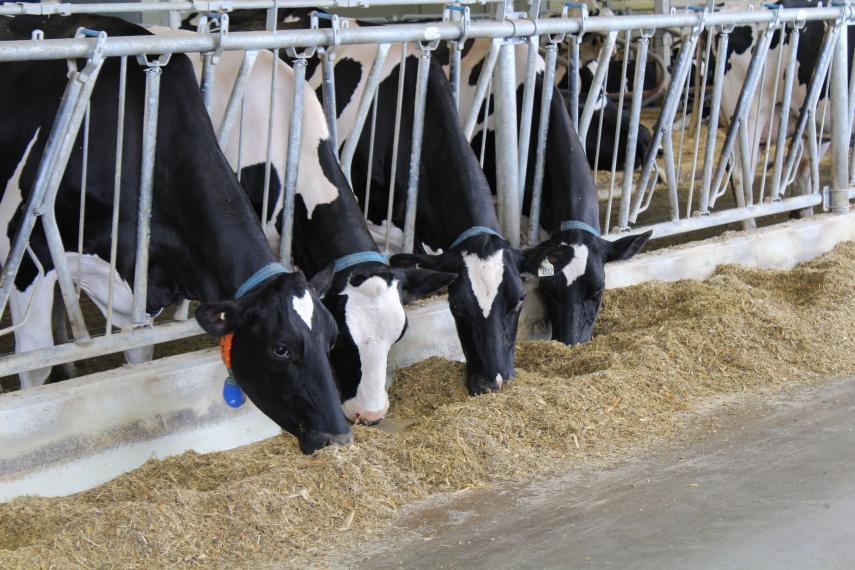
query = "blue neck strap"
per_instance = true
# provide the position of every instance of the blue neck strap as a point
(360, 257)
(260, 277)
(473, 231)
(574, 225)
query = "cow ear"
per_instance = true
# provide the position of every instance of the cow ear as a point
(417, 283)
(441, 262)
(626, 247)
(219, 318)
(321, 281)
(529, 259)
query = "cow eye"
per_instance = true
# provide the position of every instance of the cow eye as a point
(281, 351)
(518, 307)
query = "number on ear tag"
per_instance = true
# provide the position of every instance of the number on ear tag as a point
(546, 269)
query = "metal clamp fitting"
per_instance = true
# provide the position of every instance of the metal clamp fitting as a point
(583, 17)
(465, 21)
(335, 25)
(154, 65)
(97, 50)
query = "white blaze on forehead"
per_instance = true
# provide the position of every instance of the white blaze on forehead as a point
(305, 307)
(485, 275)
(576, 268)
(375, 319)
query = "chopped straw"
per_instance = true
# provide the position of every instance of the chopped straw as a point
(660, 349)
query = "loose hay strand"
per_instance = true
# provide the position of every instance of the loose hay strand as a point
(659, 350)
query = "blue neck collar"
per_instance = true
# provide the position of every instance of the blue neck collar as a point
(260, 277)
(473, 231)
(574, 225)
(360, 257)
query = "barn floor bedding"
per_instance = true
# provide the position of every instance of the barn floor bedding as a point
(660, 350)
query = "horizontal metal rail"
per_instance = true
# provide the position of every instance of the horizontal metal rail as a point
(31, 50)
(98, 346)
(65, 9)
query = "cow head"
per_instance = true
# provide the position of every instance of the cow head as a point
(485, 300)
(279, 356)
(571, 270)
(367, 301)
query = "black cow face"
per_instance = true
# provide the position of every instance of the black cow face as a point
(485, 301)
(282, 338)
(571, 268)
(367, 301)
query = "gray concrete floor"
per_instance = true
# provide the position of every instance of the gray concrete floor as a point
(773, 486)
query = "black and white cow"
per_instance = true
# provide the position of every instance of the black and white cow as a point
(206, 242)
(367, 296)
(456, 226)
(570, 259)
(743, 41)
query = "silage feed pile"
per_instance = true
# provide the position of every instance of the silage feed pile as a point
(660, 349)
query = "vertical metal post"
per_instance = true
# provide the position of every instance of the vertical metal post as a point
(542, 132)
(484, 81)
(149, 147)
(117, 187)
(507, 175)
(209, 63)
(233, 107)
(532, 43)
(573, 80)
(527, 109)
(597, 88)
(454, 72)
(396, 137)
(328, 86)
(416, 150)
(840, 118)
(362, 109)
(632, 132)
(715, 107)
(786, 99)
(292, 162)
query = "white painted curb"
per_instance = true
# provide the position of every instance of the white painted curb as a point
(62, 438)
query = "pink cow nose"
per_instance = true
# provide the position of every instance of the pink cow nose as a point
(370, 418)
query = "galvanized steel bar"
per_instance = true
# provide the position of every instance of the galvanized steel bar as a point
(22, 50)
(632, 131)
(573, 81)
(371, 84)
(618, 126)
(207, 82)
(786, 99)
(292, 162)
(117, 188)
(149, 149)
(840, 116)
(527, 109)
(233, 107)
(768, 149)
(84, 171)
(328, 87)
(268, 155)
(597, 89)
(396, 137)
(370, 155)
(540, 151)
(507, 175)
(454, 72)
(416, 150)
(700, 97)
(712, 132)
(484, 81)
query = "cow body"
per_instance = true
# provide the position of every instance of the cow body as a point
(366, 296)
(205, 244)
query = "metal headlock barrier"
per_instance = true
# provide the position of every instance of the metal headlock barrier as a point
(695, 172)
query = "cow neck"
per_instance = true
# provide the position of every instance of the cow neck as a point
(460, 196)
(569, 193)
(223, 244)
